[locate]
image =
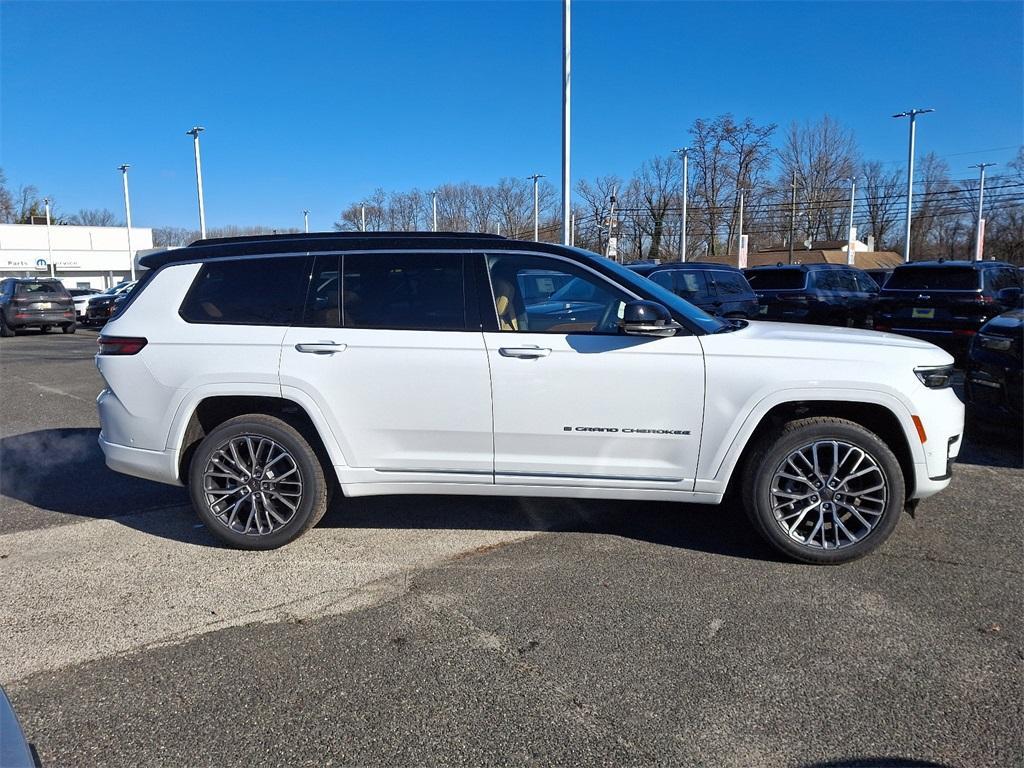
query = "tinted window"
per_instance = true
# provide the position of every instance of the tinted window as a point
(586, 303)
(50, 289)
(247, 292)
(865, 282)
(323, 302)
(664, 278)
(419, 291)
(934, 278)
(730, 284)
(848, 281)
(776, 279)
(1002, 278)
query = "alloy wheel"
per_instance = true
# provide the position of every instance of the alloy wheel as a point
(829, 494)
(252, 485)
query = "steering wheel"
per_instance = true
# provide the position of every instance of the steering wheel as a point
(610, 319)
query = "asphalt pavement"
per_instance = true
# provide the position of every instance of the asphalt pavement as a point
(473, 631)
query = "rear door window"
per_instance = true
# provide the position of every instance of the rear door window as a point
(934, 278)
(251, 291)
(730, 284)
(404, 291)
(776, 279)
(323, 302)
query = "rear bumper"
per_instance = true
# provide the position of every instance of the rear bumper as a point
(160, 466)
(24, 318)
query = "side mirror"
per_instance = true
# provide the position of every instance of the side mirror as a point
(647, 318)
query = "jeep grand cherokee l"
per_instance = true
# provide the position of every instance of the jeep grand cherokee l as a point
(827, 294)
(263, 372)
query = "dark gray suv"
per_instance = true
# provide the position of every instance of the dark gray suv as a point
(35, 303)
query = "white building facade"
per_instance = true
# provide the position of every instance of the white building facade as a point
(80, 257)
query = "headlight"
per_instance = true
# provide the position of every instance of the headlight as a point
(996, 343)
(935, 376)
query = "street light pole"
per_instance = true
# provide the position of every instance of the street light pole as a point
(739, 234)
(566, 105)
(128, 217)
(912, 114)
(49, 245)
(980, 238)
(305, 221)
(194, 133)
(685, 152)
(362, 217)
(536, 211)
(433, 201)
(792, 217)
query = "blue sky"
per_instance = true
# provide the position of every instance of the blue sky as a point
(314, 104)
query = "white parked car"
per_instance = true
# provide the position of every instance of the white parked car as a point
(264, 372)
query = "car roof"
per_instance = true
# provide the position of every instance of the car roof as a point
(960, 263)
(802, 267)
(644, 269)
(318, 242)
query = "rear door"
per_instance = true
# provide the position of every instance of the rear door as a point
(579, 404)
(389, 354)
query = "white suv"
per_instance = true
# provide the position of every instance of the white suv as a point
(266, 372)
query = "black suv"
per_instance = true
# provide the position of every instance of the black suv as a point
(718, 289)
(947, 302)
(35, 303)
(992, 382)
(826, 294)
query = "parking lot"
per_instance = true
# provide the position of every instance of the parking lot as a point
(482, 631)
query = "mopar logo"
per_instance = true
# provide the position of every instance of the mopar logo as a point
(41, 264)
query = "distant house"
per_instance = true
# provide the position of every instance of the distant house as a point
(820, 252)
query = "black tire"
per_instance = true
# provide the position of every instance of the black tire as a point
(69, 327)
(312, 503)
(44, 329)
(768, 458)
(5, 330)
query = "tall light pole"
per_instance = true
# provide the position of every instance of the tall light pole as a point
(685, 154)
(979, 245)
(433, 202)
(362, 218)
(194, 133)
(792, 217)
(739, 233)
(49, 245)
(912, 114)
(566, 104)
(128, 217)
(536, 211)
(305, 221)
(850, 234)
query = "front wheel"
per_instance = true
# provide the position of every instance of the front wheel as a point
(824, 490)
(256, 483)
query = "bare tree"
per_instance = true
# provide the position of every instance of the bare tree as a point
(7, 213)
(592, 224)
(95, 217)
(882, 192)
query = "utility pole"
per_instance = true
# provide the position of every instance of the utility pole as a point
(194, 133)
(362, 218)
(613, 246)
(433, 202)
(566, 104)
(305, 221)
(851, 233)
(536, 211)
(685, 153)
(49, 245)
(912, 114)
(792, 217)
(979, 245)
(128, 217)
(739, 233)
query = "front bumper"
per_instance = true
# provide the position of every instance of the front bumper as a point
(942, 417)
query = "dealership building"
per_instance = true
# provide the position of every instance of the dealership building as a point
(80, 257)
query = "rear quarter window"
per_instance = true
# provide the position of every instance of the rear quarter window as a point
(251, 291)
(776, 279)
(935, 279)
(731, 284)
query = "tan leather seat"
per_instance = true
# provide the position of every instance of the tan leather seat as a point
(504, 303)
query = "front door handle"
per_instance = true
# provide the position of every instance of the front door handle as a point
(321, 347)
(525, 353)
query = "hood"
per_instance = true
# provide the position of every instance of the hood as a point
(1007, 324)
(818, 342)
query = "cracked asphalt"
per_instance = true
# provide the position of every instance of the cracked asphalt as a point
(461, 631)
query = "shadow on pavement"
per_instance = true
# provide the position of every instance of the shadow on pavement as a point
(990, 445)
(63, 471)
(876, 762)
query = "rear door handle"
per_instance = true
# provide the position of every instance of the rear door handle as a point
(321, 347)
(526, 353)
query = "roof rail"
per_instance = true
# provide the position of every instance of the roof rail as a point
(344, 235)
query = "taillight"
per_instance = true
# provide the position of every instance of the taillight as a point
(964, 332)
(120, 345)
(798, 298)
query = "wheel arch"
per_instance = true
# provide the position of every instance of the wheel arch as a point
(877, 417)
(207, 412)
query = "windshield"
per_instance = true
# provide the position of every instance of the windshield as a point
(775, 279)
(574, 290)
(628, 277)
(935, 278)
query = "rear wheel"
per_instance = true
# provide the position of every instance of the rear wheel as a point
(824, 490)
(44, 328)
(5, 330)
(69, 328)
(256, 482)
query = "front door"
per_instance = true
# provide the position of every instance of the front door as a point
(576, 403)
(386, 353)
